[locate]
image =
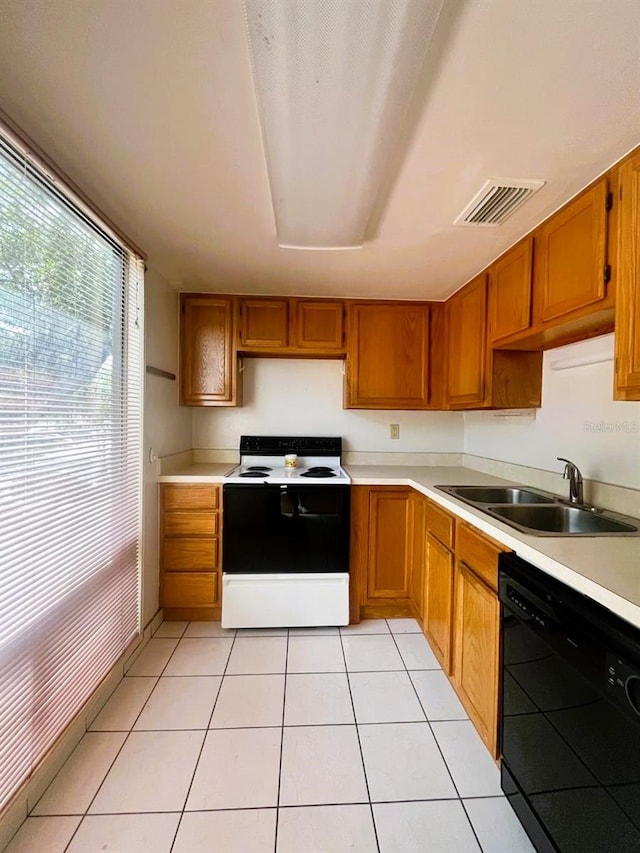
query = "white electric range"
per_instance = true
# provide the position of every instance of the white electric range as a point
(285, 557)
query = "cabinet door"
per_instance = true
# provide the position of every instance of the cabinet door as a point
(318, 326)
(389, 545)
(466, 344)
(476, 652)
(416, 576)
(510, 292)
(570, 251)
(387, 356)
(438, 605)
(628, 283)
(208, 365)
(264, 324)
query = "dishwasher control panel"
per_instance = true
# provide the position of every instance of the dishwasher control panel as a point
(624, 681)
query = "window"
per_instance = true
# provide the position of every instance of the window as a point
(70, 461)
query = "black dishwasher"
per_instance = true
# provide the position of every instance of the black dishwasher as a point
(570, 722)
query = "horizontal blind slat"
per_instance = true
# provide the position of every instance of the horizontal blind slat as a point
(70, 460)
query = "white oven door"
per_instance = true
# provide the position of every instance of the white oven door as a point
(285, 600)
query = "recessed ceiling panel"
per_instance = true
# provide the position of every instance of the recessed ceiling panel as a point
(332, 82)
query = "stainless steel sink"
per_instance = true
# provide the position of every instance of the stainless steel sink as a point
(541, 513)
(561, 520)
(496, 495)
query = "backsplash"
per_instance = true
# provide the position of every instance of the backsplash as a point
(304, 397)
(578, 420)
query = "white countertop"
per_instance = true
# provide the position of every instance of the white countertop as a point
(605, 568)
(201, 472)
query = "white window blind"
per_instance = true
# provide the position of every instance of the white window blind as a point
(70, 461)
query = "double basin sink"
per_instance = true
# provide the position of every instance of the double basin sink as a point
(542, 514)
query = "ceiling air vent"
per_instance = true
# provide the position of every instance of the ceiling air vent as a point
(496, 201)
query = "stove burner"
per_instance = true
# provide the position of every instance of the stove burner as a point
(319, 471)
(261, 474)
(259, 468)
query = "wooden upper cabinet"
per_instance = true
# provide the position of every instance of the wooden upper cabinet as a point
(264, 324)
(466, 345)
(387, 356)
(627, 330)
(318, 325)
(510, 292)
(288, 326)
(208, 363)
(571, 257)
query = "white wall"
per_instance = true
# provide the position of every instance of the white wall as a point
(304, 397)
(578, 420)
(167, 427)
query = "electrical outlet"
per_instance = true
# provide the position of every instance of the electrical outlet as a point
(394, 430)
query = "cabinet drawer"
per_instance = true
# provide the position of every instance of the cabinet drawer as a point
(191, 497)
(190, 589)
(191, 522)
(478, 554)
(440, 524)
(190, 555)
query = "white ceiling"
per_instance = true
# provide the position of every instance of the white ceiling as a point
(148, 106)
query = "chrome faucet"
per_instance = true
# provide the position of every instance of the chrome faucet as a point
(572, 474)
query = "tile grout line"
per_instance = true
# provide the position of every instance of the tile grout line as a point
(157, 678)
(451, 799)
(364, 769)
(284, 702)
(433, 735)
(128, 735)
(473, 829)
(211, 728)
(204, 740)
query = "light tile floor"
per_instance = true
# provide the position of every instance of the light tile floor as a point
(301, 741)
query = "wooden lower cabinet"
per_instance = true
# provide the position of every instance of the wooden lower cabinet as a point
(462, 614)
(417, 557)
(476, 631)
(190, 551)
(190, 589)
(438, 600)
(381, 552)
(389, 545)
(476, 652)
(438, 582)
